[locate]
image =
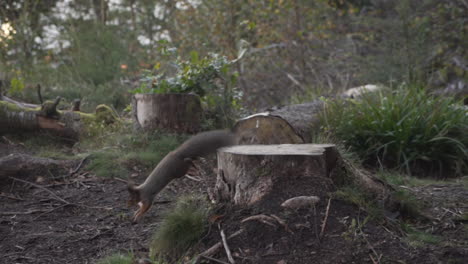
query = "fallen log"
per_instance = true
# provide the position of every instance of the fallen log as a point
(292, 124)
(17, 117)
(23, 164)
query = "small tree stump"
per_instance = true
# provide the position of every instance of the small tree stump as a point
(248, 173)
(180, 113)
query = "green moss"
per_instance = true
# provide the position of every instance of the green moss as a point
(105, 114)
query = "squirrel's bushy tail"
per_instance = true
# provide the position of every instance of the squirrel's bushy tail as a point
(206, 142)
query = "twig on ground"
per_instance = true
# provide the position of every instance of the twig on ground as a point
(212, 250)
(43, 188)
(11, 197)
(283, 223)
(262, 218)
(197, 179)
(324, 224)
(213, 259)
(226, 247)
(317, 235)
(78, 167)
(24, 213)
(120, 180)
(51, 210)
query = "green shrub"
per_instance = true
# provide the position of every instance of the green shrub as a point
(181, 227)
(209, 77)
(405, 129)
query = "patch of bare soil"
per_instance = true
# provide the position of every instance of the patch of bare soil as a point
(76, 219)
(348, 237)
(81, 218)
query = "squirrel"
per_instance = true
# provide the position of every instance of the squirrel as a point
(175, 165)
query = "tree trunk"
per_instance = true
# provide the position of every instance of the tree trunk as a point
(180, 113)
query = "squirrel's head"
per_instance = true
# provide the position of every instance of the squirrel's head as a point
(134, 199)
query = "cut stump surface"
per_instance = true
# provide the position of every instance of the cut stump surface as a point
(247, 173)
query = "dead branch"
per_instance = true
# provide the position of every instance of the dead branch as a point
(215, 260)
(283, 223)
(262, 218)
(324, 224)
(79, 166)
(11, 197)
(226, 247)
(213, 249)
(43, 188)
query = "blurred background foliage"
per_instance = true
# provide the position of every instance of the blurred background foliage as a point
(97, 50)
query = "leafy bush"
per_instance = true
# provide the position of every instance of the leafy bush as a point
(209, 77)
(406, 129)
(181, 228)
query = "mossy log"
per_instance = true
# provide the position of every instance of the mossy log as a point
(250, 174)
(17, 118)
(179, 113)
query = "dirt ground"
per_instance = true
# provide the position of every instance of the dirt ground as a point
(81, 218)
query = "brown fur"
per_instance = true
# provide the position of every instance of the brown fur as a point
(175, 165)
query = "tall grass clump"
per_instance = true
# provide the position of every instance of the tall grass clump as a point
(181, 228)
(405, 129)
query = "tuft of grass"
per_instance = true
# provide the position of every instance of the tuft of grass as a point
(107, 164)
(418, 238)
(181, 228)
(117, 258)
(396, 179)
(360, 198)
(405, 129)
(409, 205)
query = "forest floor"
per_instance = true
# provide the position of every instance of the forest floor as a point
(82, 218)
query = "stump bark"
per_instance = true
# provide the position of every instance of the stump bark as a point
(180, 113)
(294, 124)
(248, 173)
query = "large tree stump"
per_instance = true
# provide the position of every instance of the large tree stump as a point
(292, 124)
(180, 113)
(248, 173)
